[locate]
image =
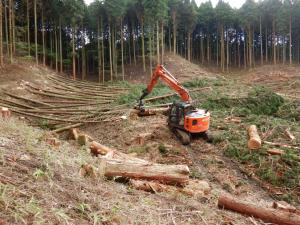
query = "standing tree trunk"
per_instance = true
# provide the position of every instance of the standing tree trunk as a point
(6, 27)
(28, 29)
(43, 39)
(290, 41)
(189, 46)
(162, 43)
(1, 35)
(110, 52)
(60, 47)
(201, 48)
(227, 51)
(122, 49)
(73, 51)
(13, 26)
(133, 43)
(217, 50)
(35, 33)
(143, 44)
(150, 50)
(99, 52)
(261, 42)
(274, 42)
(222, 50)
(174, 31)
(157, 43)
(10, 32)
(208, 48)
(102, 47)
(266, 48)
(83, 56)
(56, 48)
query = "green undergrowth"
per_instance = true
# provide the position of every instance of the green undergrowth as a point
(253, 105)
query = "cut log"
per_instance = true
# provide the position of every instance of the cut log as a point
(99, 149)
(167, 174)
(254, 141)
(289, 135)
(265, 214)
(5, 113)
(275, 151)
(282, 205)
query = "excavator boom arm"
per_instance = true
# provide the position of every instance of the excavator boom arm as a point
(167, 77)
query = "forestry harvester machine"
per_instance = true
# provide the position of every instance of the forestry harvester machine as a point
(183, 118)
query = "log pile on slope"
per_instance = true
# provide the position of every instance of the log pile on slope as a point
(66, 103)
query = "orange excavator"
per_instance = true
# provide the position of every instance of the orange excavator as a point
(183, 118)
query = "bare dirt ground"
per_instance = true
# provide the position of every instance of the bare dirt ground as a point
(40, 184)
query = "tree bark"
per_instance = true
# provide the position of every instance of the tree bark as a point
(43, 39)
(157, 43)
(266, 48)
(56, 48)
(122, 49)
(73, 51)
(13, 27)
(99, 52)
(1, 35)
(36, 33)
(143, 45)
(162, 43)
(261, 43)
(290, 41)
(254, 141)
(274, 41)
(110, 52)
(174, 31)
(60, 47)
(168, 174)
(189, 46)
(267, 215)
(28, 29)
(83, 54)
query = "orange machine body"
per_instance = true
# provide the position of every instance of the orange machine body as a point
(197, 122)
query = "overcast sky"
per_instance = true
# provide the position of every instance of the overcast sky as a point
(233, 3)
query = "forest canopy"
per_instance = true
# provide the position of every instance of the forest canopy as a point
(101, 38)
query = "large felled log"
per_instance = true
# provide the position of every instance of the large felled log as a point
(267, 215)
(254, 141)
(167, 174)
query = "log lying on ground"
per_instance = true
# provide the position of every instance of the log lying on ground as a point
(167, 174)
(5, 113)
(275, 151)
(194, 188)
(254, 141)
(265, 214)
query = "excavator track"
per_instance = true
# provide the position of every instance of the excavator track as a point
(184, 137)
